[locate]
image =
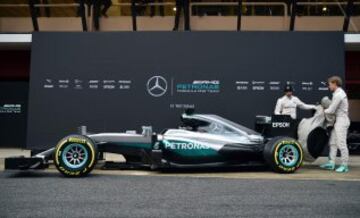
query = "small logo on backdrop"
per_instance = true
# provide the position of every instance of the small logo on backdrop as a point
(323, 86)
(10, 109)
(307, 85)
(48, 84)
(157, 86)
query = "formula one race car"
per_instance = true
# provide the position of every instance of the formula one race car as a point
(202, 140)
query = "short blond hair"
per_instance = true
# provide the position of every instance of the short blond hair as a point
(335, 79)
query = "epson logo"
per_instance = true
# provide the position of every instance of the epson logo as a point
(281, 125)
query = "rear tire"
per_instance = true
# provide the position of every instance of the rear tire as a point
(283, 154)
(75, 156)
(316, 142)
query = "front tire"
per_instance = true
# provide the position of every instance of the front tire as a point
(283, 154)
(75, 156)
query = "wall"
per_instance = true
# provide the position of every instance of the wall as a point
(14, 74)
(233, 74)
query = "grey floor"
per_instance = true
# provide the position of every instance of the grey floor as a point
(44, 194)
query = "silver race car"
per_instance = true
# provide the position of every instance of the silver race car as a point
(203, 140)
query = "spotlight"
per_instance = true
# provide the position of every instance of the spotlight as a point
(174, 8)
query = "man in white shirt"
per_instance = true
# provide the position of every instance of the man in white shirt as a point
(339, 108)
(288, 104)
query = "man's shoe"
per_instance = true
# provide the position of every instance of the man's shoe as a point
(330, 165)
(342, 169)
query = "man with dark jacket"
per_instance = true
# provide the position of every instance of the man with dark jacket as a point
(152, 8)
(182, 5)
(100, 8)
(107, 4)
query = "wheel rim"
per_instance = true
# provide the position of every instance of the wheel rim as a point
(288, 155)
(75, 155)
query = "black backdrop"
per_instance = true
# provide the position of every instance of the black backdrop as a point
(13, 113)
(106, 80)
